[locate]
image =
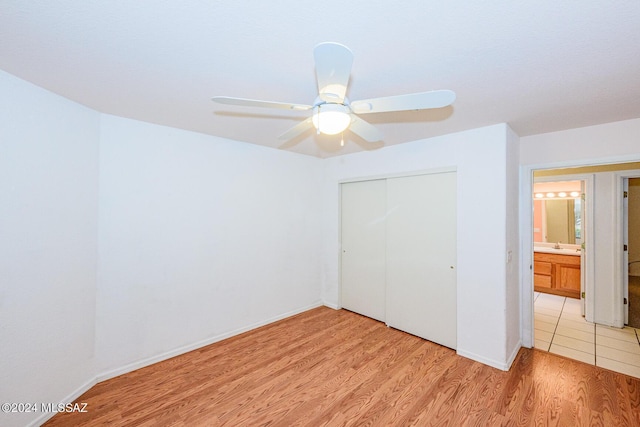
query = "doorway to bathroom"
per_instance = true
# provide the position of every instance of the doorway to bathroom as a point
(608, 335)
(559, 235)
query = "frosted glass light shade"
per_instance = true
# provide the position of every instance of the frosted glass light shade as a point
(331, 119)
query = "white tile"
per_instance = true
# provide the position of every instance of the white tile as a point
(547, 312)
(572, 316)
(550, 301)
(576, 333)
(568, 342)
(543, 335)
(626, 334)
(544, 326)
(617, 366)
(551, 298)
(624, 345)
(573, 306)
(572, 354)
(545, 318)
(581, 326)
(542, 345)
(618, 355)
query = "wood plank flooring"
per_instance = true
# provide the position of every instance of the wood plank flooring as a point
(336, 368)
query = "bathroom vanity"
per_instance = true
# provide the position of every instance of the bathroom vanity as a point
(558, 212)
(557, 271)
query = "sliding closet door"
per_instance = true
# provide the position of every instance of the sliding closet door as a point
(421, 256)
(363, 213)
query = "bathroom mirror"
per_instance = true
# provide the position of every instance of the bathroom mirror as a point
(563, 221)
(557, 215)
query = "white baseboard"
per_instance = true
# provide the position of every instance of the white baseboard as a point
(44, 417)
(513, 355)
(330, 305)
(190, 347)
(502, 365)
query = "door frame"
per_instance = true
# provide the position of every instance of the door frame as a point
(586, 255)
(621, 273)
(526, 233)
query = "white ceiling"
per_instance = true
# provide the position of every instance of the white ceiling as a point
(539, 66)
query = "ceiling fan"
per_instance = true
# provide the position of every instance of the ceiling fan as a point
(333, 113)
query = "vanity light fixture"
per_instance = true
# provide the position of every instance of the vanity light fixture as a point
(559, 195)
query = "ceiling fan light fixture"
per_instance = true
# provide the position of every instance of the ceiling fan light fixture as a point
(333, 113)
(331, 119)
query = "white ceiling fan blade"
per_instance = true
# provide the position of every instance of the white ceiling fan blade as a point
(365, 130)
(298, 129)
(333, 67)
(411, 101)
(257, 103)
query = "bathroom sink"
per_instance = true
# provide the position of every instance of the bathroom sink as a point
(561, 251)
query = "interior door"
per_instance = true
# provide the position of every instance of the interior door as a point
(421, 256)
(625, 252)
(583, 258)
(363, 211)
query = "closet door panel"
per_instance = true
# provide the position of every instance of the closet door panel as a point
(363, 210)
(421, 256)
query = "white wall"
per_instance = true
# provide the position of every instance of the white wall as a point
(480, 158)
(200, 238)
(610, 142)
(123, 243)
(600, 144)
(48, 246)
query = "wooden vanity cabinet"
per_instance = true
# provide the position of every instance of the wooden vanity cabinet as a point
(556, 274)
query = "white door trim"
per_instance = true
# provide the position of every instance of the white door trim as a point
(526, 233)
(621, 276)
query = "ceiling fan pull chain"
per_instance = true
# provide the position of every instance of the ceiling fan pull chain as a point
(318, 132)
(342, 139)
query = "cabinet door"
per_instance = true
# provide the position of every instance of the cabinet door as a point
(541, 282)
(568, 278)
(363, 210)
(421, 256)
(542, 275)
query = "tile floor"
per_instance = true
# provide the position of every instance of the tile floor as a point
(561, 329)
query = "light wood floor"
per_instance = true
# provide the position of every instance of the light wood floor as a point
(335, 368)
